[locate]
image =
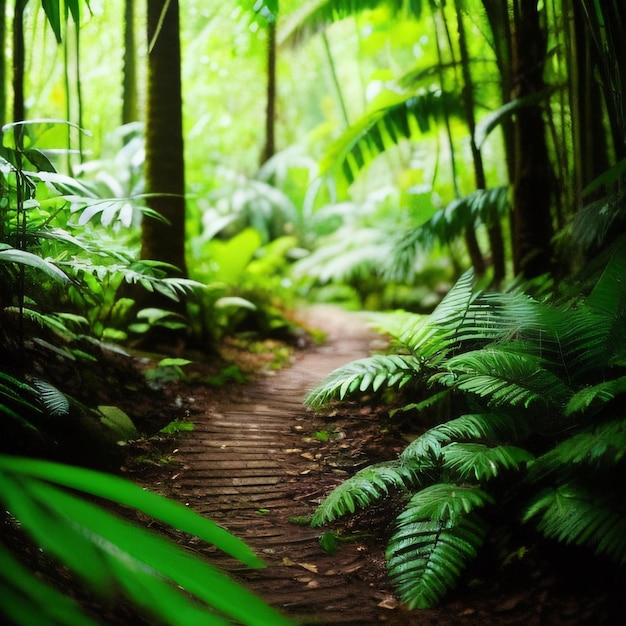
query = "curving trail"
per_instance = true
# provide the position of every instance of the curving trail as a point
(252, 466)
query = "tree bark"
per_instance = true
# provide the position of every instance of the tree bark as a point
(18, 61)
(533, 181)
(270, 114)
(129, 81)
(494, 230)
(164, 166)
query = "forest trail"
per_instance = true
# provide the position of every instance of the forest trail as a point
(258, 462)
(253, 463)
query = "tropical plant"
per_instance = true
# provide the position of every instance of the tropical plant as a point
(529, 427)
(48, 227)
(112, 557)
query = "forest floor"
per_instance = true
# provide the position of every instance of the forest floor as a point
(258, 463)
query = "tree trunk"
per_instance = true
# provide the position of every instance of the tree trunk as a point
(533, 182)
(18, 61)
(493, 228)
(3, 64)
(270, 115)
(164, 166)
(129, 84)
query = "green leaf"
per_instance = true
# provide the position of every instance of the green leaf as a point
(443, 502)
(365, 487)
(475, 461)
(28, 600)
(426, 557)
(573, 514)
(22, 257)
(129, 494)
(114, 418)
(362, 375)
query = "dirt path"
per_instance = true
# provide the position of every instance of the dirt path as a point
(255, 465)
(252, 465)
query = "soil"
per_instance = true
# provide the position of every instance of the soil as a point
(258, 463)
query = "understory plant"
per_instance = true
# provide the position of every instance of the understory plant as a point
(59, 275)
(521, 405)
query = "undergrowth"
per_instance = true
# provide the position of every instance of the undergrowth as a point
(526, 395)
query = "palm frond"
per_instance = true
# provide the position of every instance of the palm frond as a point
(476, 461)
(425, 558)
(483, 206)
(365, 487)
(364, 375)
(595, 395)
(401, 118)
(314, 15)
(574, 515)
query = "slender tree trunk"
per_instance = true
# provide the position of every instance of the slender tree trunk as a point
(3, 64)
(18, 60)
(164, 165)
(493, 228)
(533, 181)
(270, 115)
(471, 242)
(129, 81)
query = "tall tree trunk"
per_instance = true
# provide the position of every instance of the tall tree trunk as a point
(471, 242)
(533, 181)
(269, 149)
(164, 165)
(3, 64)
(493, 228)
(129, 80)
(18, 60)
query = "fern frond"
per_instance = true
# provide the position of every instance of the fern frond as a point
(425, 558)
(363, 375)
(476, 461)
(597, 395)
(602, 445)
(487, 427)
(54, 400)
(365, 487)
(444, 501)
(573, 515)
(504, 377)
(483, 206)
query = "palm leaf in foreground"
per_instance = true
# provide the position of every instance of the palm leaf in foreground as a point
(110, 554)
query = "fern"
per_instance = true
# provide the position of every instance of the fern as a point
(595, 395)
(601, 446)
(505, 377)
(425, 559)
(364, 375)
(476, 461)
(53, 400)
(437, 535)
(365, 487)
(483, 206)
(573, 514)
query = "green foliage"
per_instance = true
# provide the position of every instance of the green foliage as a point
(62, 246)
(114, 557)
(537, 388)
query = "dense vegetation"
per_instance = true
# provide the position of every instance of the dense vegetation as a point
(377, 154)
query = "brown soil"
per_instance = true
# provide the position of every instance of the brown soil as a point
(259, 463)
